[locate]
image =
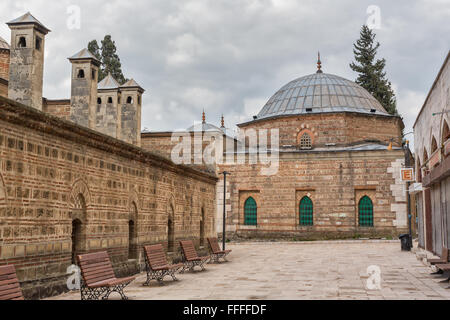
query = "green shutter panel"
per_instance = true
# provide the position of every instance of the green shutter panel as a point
(250, 212)
(365, 210)
(306, 212)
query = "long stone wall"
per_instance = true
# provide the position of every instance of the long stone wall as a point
(54, 173)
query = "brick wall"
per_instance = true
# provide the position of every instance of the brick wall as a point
(335, 181)
(58, 108)
(53, 172)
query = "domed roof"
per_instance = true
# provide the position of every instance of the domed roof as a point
(320, 93)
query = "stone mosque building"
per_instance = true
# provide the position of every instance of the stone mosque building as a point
(340, 155)
(77, 175)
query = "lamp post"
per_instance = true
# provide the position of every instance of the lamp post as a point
(225, 173)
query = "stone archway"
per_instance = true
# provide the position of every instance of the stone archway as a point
(79, 200)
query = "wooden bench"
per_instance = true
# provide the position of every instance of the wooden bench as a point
(98, 278)
(190, 256)
(442, 259)
(216, 252)
(9, 284)
(157, 266)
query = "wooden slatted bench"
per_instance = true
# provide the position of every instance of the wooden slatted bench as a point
(157, 266)
(98, 278)
(190, 256)
(9, 284)
(216, 252)
(442, 260)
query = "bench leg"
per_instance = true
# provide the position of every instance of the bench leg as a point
(119, 289)
(437, 272)
(172, 274)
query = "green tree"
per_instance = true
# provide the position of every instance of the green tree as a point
(110, 61)
(372, 76)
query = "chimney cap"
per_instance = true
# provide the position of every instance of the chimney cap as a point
(28, 18)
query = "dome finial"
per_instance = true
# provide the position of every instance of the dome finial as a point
(203, 117)
(319, 63)
(222, 122)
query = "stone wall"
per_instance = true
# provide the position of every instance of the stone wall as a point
(56, 176)
(335, 182)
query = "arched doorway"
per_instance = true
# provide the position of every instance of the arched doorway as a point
(171, 230)
(78, 214)
(76, 239)
(250, 212)
(306, 212)
(131, 240)
(202, 228)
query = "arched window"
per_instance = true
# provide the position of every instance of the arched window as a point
(99, 100)
(38, 43)
(306, 212)
(80, 74)
(22, 43)
(250, 212)
(433, 145)
(110, 100)
(445, 132)
(130, 100)
(365, 212)
(78, 213)
(305, 141)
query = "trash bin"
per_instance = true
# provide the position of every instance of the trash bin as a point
(405, 241)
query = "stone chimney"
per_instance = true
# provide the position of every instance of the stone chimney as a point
(83, 99)
(26, 70)
(108, 105)
(130, 122)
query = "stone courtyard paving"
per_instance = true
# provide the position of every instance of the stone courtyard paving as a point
(299, 270)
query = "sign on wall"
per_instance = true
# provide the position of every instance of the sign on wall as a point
(407, 174)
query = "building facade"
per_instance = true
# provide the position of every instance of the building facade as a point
(432, 147)
(68, 188)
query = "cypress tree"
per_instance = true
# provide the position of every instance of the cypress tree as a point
(110, 61)
(372, 76)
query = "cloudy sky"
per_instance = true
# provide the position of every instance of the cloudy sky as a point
(230, 56)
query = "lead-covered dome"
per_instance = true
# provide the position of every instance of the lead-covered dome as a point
(320, 93)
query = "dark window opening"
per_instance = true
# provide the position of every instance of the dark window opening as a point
(38, 43)
(139, 100)
(76, 239)
(93, 74)
(131, 237)
(99, 100)
(22, 42)
(110, 100)
(80, 74)
(202, 228)
(130, 100)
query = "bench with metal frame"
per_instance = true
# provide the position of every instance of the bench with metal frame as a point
(216, 252)
(98, 278)
(157, 266)
(442, 260)
(190, 256)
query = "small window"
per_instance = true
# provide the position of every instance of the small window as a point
(110, 100)
(306, 212)
(118, 99)
(93, 74)
(365, 212)
(22, 42)
(80, 74)
(130, 100)
(305, 141)
(99, 100)
(38, 43)
(250, 212)
(139, 100)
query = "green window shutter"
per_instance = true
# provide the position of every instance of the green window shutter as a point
(250, 212)
(306, 212)
(365, 210)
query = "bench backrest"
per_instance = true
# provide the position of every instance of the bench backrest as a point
(444, 255)
(214, 244)
(9, 284)
(188, 249)
(156, 256)
(95, 267)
